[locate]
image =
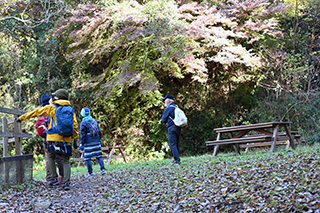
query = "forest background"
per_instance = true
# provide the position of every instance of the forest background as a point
(227, 62)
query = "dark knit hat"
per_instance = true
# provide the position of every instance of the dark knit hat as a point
(61, 94)
(45, 99)
(168, 96)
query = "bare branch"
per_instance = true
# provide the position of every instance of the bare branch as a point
(49, 10)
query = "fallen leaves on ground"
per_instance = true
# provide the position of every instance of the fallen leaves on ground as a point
(287, 181)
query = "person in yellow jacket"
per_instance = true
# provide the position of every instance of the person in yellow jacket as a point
(57, 144)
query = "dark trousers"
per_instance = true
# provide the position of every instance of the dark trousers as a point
(89, 165)
(174, 137)
(58, 148)
(58, 161)
(66, 167)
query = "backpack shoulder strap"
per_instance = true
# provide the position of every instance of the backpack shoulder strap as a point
(53, 123)
(47, 121)
(175, 107)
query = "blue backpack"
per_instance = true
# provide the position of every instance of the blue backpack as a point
(64, 126)
(65, 121)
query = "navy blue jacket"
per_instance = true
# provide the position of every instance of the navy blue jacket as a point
(169, 112)
(86, 137)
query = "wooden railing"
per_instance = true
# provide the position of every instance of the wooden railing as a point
(9, 137)
(12, 137)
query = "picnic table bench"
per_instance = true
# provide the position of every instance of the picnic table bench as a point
(240, 135)
(295, 135)
(109, 150)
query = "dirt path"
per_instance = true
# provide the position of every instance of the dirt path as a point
(85, 195)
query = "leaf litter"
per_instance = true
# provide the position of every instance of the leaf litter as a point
(269, 182)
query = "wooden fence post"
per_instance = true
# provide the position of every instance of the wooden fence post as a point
(18, 146)
(5, 150)
(5, 139)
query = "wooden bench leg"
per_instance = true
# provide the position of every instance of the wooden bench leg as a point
(290, 137)
(288, 144)
(274, 138)
(82, 156)
(110, 156)
(236, 148)
(247, 149)
(123, 155)
(216, 149)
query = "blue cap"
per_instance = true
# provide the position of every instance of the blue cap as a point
(168, 96)
(45, 99)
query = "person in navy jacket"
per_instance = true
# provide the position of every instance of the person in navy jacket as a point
(173, 130)
(91, 141)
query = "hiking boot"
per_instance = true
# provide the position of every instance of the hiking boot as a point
(54, 182)
(175, 162)
(103, 171)
(90, 175)
(66, 186)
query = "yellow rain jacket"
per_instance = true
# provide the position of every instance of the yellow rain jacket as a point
(51, 110)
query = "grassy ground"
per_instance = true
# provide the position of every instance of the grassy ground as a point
(285, 181)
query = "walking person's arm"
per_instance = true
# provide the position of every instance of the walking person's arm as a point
(83, 133)
(75, 130)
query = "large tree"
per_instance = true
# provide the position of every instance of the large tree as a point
(127, 55)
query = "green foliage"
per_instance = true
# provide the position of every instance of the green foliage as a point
(30, 62)
(304, 114)
(39, 159)
(290, 89)
(33, 145)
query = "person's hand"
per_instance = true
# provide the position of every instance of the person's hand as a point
(18, 120)
(81, 147)
(75, 144)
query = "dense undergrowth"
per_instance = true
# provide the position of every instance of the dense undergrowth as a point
(259, 181)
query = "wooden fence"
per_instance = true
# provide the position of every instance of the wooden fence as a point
(16, 136)
(9, 137)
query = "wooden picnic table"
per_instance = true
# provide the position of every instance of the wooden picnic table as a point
(109, 150)
(268, 132)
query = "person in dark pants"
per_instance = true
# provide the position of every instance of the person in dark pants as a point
(45, 100)
(57, 144)
(173, 130)
(91, 141)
